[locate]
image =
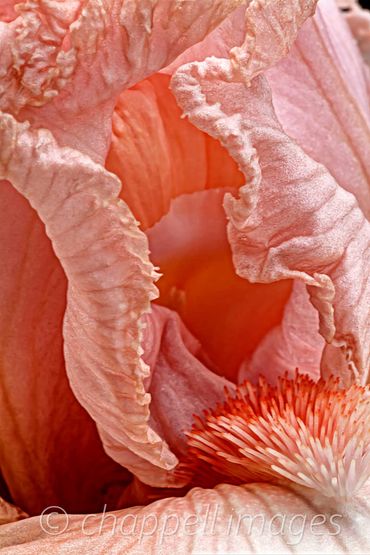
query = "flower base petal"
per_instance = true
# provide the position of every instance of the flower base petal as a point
(253, 518)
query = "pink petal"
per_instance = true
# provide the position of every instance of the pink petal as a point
(292, 219)
(321, 99)
(259, 33)
(255, 518)
(84, 53)
(64, 77)
(110, 285)
(100, 300)
(44, 431)
(158, 155)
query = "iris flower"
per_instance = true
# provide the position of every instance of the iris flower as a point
(185, 276)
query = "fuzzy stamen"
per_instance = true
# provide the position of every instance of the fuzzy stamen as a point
(315, 434)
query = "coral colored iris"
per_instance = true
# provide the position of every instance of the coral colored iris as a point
(184, 208)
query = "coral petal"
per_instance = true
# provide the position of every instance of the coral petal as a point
(158, 155)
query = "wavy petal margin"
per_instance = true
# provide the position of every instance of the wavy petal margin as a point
(43, 428)
(255, 518)
(64, 62)
(110, 285)
(292, 219)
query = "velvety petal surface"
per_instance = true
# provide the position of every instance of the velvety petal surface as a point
(321, 98)
(255, 518)
(292, 220)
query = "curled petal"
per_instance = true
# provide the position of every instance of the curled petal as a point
(110, 283)
(255, 518)
(271, 28)
(65, 63)
(81, 55)
(292, 220)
